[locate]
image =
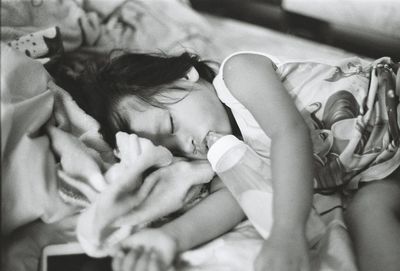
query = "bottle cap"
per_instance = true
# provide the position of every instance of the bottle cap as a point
(220, 147)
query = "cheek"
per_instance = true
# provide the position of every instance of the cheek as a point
(202, 112)
(192, 112)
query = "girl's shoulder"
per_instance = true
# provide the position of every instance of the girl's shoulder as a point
(243, 54)
(244, 64)
(240, 69)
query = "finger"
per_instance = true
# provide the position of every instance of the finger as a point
(145, 144)
(134, 148)
(152, 158)
(148, 148)
(132, 201)
(97, 181)
(143, 261)
(154, 263)
(124, 179)
(117, 260)
(128, 146)
(155, 157)
(160, 261)
(130, 259)
(203, 171)
(148, 184)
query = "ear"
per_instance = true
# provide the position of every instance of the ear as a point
(192, 75)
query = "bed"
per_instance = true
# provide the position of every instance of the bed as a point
(36, 32)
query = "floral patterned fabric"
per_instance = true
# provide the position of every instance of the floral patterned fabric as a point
(354, 131)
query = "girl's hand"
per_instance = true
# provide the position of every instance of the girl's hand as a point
(284, 251)
(147, 250)
(167, 190)
(124, 191)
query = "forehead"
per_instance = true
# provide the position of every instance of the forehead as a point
(142, 117)
(131, 106)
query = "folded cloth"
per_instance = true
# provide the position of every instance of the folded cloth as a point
(350, 109)
(366, 141)
(71, 151)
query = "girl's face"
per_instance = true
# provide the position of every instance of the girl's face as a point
(185, 121)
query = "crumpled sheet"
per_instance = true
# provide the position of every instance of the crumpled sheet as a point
(157, 25)
(30, 102)
(29, 182)
(237, 249)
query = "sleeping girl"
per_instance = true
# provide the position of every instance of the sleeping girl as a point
(319, 126)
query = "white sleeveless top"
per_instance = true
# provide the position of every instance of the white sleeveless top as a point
(252, 134)
(321, 92)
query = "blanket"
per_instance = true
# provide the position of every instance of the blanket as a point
(157, 25)
(29, 181)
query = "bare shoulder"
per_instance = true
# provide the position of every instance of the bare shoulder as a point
(247, 70)
(247, 60)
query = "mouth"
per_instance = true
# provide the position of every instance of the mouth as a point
(200, 149)
(211, 138)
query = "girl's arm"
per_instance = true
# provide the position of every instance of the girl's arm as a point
(213, 216)
(253, 81)
(155, 249)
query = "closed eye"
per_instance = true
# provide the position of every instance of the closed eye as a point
(172, 124)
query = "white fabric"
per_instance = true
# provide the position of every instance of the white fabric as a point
(28, 175)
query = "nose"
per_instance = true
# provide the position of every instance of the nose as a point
(185, 144)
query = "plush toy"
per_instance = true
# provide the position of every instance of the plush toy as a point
(44, 45)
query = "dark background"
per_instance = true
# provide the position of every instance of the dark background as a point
(271, 14)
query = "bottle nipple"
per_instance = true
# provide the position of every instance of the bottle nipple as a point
(212, 137)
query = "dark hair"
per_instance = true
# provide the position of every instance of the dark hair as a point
(98, 82)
